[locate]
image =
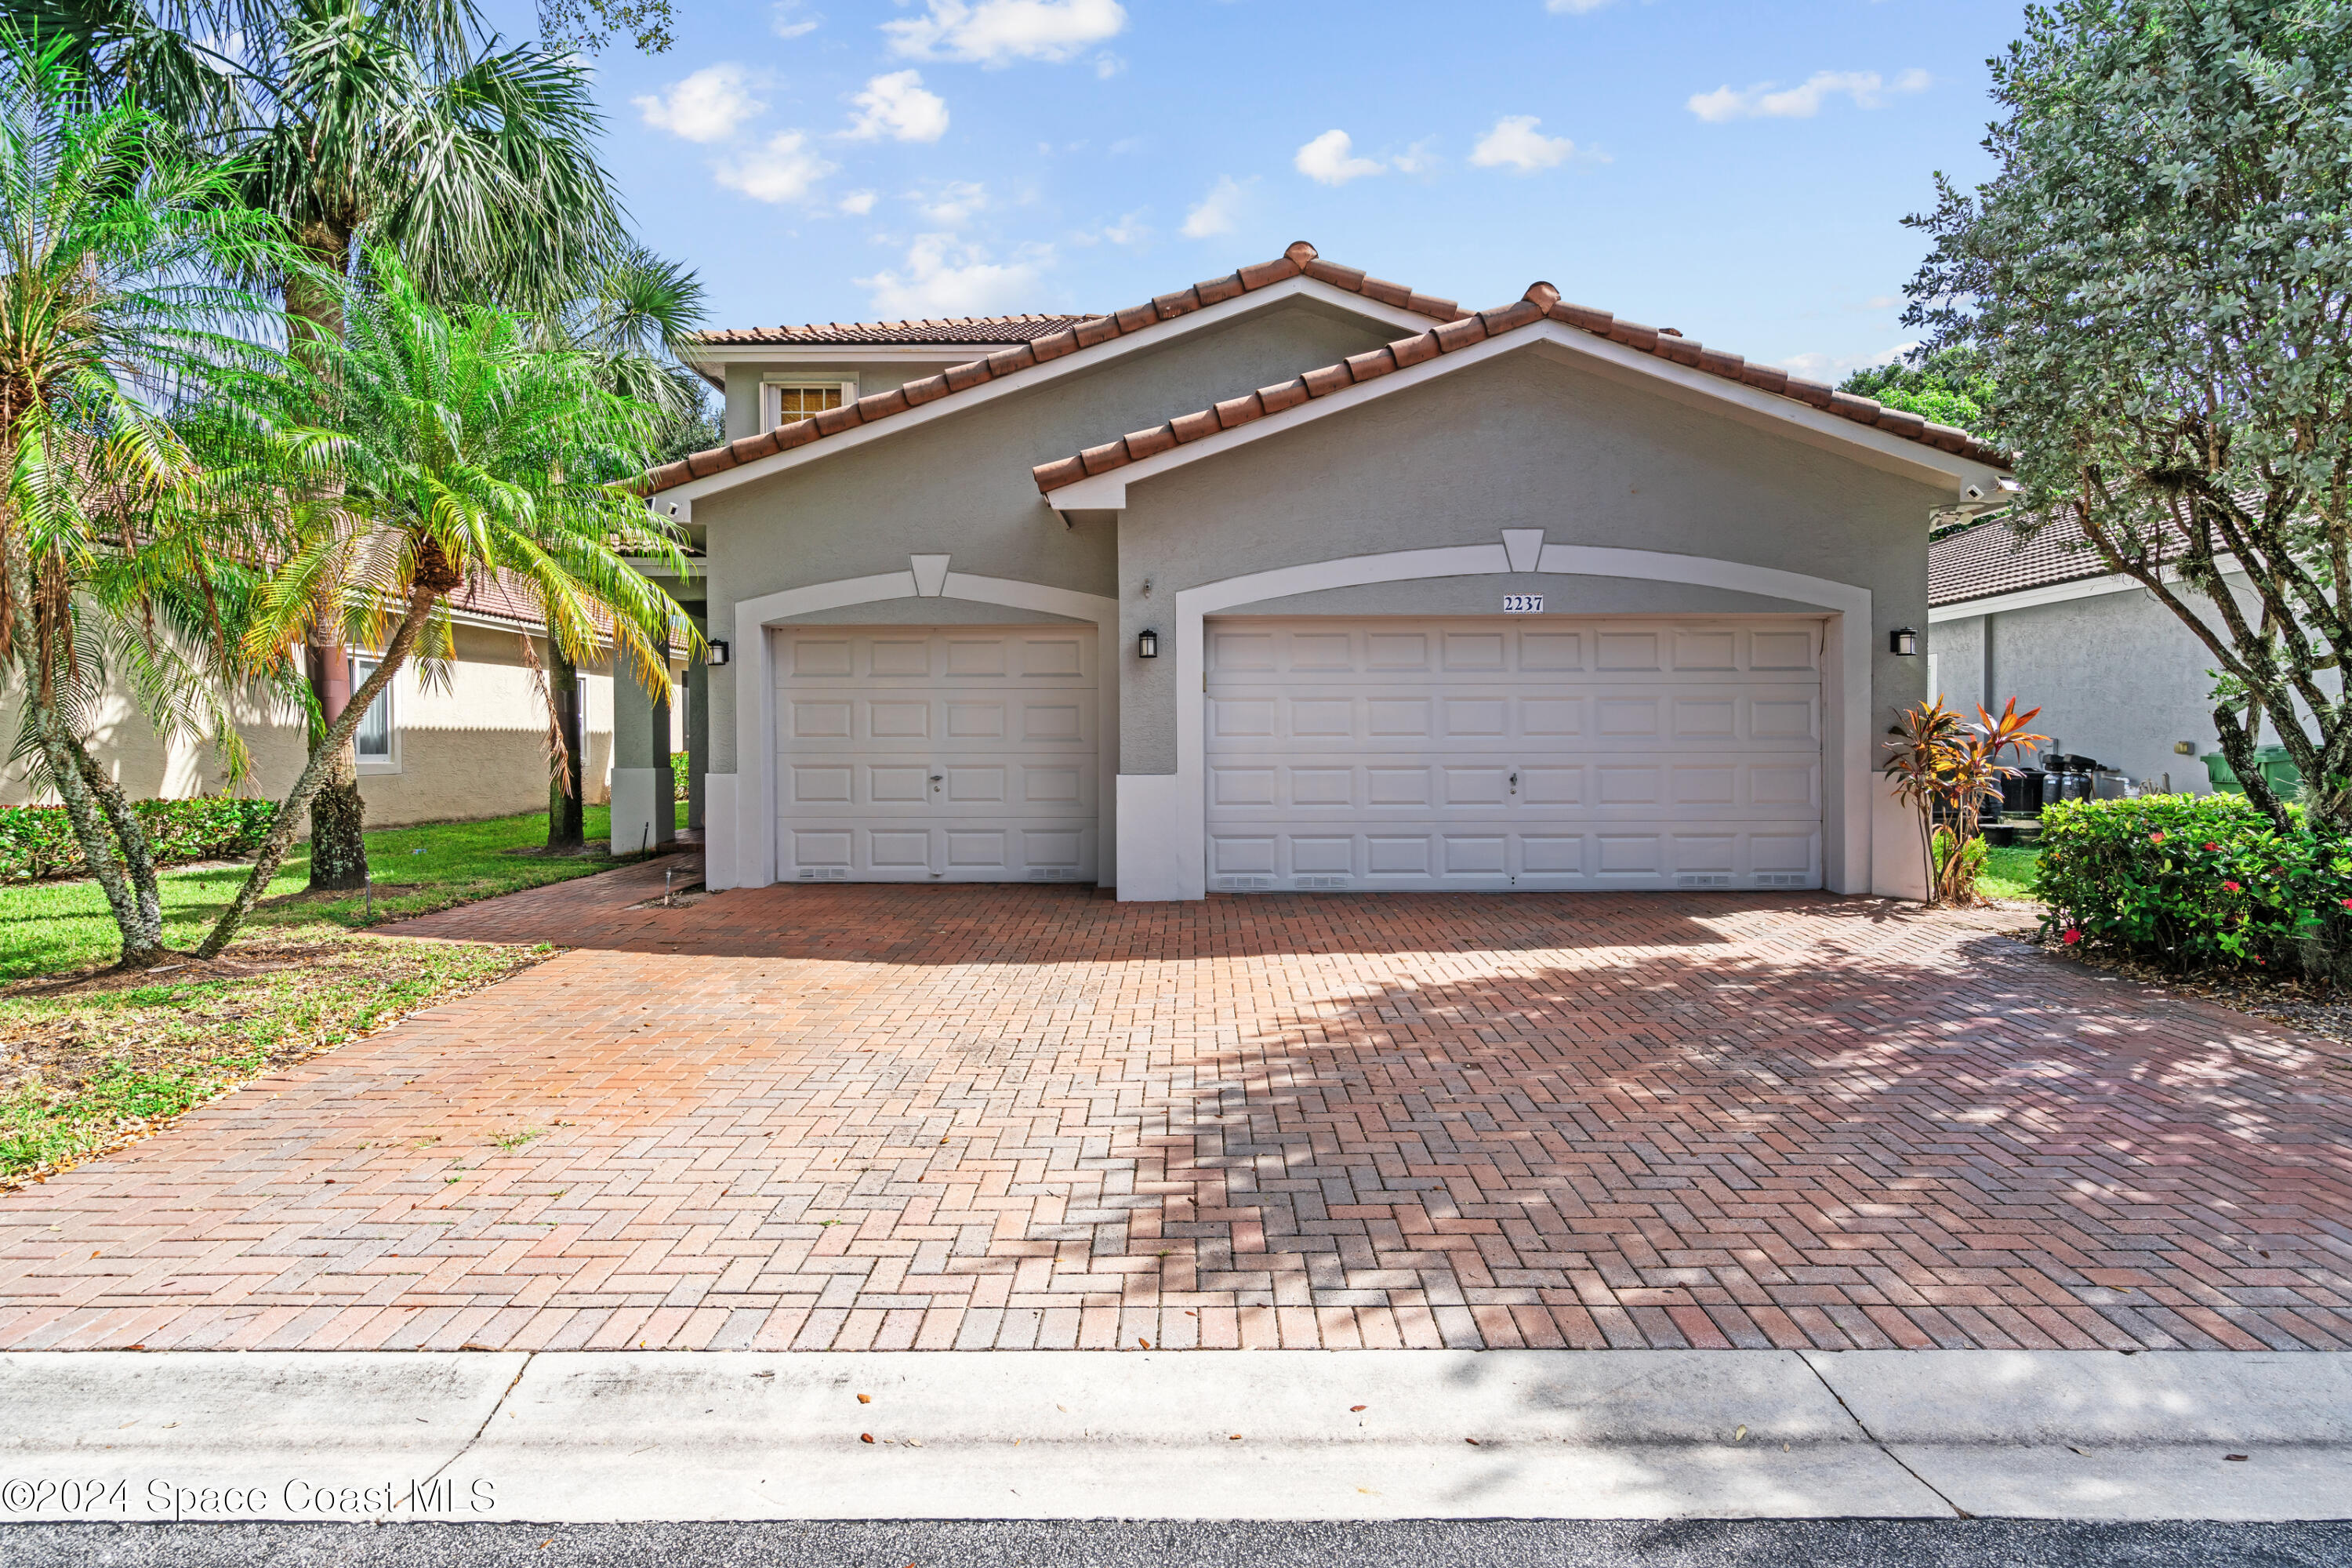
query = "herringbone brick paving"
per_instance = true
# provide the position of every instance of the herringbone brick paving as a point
(872, 1117)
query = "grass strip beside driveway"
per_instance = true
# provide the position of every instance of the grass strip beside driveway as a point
(91, 1064)
(47, 928)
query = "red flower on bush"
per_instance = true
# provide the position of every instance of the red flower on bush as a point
(2229, 887)
(2156, 837)
(2346, 903)
(2210, 847)
(2073, 934)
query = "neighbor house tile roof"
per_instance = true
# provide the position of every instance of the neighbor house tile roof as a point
(1987, 559)
(1541, 302)
(952, 331)
(1299, 260)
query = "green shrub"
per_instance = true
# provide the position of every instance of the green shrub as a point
(2196, 881)
(38, 841)
(677, 774)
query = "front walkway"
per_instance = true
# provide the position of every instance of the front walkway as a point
(862, 1117)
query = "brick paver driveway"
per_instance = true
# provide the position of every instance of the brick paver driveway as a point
(964, 1117)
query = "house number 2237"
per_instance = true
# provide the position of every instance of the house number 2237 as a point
(1523, 604)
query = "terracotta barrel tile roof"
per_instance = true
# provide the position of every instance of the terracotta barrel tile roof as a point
(1066, 335)
(945, 330)
(1543, 303)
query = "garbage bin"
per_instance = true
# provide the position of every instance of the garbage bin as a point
(2021, 793)
(2277, 771)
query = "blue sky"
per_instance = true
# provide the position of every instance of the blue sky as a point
(1738, 171)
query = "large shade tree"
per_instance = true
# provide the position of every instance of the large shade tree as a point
(2158, 280)
(115, 246)
(426, 449)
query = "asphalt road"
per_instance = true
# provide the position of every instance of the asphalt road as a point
(1679, 1544)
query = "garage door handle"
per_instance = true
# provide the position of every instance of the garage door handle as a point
(1515, 783)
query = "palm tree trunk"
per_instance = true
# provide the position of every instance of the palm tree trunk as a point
(138, 855)
(338, 812)
(337, 739)
(566, 818)
(138, 921)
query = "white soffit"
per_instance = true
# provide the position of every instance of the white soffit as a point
(1751, 405)
(1405, 322)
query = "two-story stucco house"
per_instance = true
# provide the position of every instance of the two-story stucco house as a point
(1300, 580)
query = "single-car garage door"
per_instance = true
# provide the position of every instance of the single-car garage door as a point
(1533, 752)
(936, 753)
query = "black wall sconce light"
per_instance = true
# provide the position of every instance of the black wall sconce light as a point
(1903, 640)
(717, 652)
(1147, 645)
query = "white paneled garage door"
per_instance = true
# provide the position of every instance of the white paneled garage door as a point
(1535, 751)
(937, 753)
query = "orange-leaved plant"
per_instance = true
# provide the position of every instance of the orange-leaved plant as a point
(1946, 769)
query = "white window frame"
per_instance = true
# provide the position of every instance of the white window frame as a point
(390, 698)
(771, 387)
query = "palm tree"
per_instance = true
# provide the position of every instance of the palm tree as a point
(443, 447)
(112, 244)
(632, 328)
(397, 120)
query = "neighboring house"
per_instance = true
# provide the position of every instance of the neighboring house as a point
(470, 745)
(2118, 677)
(1297, 579)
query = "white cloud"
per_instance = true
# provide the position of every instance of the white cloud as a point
(1108, 65)
(705, 107)
(1573, 8)
(1421, 158)
(944, 277)
(1129, 229)
(999, 32)
(899, 107)
(1514, 142)
(792, 18)
(1834, 368)
(784, 169)
(953, 203)
(1330, 160)
(856, 203)
(1769, 100)
(1218, 211)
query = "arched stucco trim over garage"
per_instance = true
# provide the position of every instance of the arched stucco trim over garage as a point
(741, 851)
(1162, 817)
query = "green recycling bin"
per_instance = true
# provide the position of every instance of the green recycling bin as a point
(2277, 771)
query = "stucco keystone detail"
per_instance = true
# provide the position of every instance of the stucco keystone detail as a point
(930, 574)
(1523, 547)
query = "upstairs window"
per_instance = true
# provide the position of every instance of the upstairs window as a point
(789, 401)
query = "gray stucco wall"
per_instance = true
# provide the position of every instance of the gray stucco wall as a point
(2117, 676)
(959, 483)
(1523, 441)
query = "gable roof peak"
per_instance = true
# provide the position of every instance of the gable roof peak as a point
(1541, 302)
(1300, 260)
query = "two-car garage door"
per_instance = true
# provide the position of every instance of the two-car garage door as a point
(1525, 752)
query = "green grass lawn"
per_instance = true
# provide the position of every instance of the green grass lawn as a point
(90, 1061)
(2009, 873)
(46, 927)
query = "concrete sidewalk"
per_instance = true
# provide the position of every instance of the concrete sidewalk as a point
(1145, 1434)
